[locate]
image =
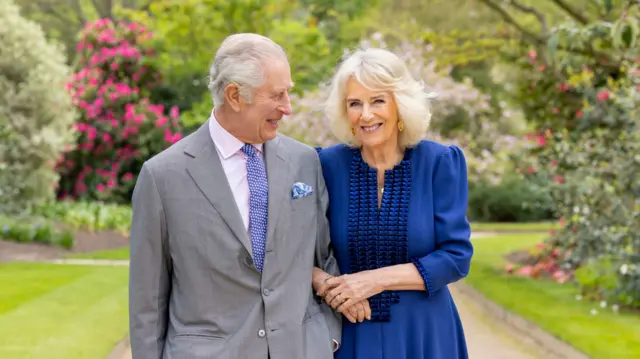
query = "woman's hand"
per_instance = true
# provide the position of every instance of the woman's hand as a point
(343, 292)
(356, 313)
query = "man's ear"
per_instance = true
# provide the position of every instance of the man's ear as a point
(232, 96)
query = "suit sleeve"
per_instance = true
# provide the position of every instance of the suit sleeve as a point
(324, 258)
(150, 268)
(451, 259)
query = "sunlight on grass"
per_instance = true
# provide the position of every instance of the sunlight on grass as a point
(54, 311)
(551, 305)
(516, 227)
(111, 254)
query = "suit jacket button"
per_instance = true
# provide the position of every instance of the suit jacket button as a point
(261, 333)
(266, 292)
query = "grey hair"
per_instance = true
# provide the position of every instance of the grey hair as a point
(380, 70)
(240, 59)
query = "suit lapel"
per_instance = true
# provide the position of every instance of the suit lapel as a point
(278, 175)
(205, 168)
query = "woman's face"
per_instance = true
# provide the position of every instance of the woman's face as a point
(373, 115)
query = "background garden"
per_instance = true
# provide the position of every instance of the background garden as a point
(540, 94)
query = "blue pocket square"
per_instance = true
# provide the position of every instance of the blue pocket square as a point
(300, 190)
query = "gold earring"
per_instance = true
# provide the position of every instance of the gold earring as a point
(400, 126)
(353, 131)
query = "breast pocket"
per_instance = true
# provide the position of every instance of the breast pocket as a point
(307, 203)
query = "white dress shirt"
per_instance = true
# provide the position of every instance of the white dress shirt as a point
(234, 163)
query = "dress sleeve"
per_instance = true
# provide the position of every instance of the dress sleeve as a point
(451, 259)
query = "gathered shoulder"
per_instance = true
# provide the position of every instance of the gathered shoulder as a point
(434, 150)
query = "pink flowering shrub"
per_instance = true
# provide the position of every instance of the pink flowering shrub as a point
(118, 127)
(585, 153)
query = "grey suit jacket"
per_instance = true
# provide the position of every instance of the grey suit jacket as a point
(194, 291)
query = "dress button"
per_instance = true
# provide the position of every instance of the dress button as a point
(261, 333)
(266, 292)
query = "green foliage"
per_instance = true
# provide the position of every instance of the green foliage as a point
(36, 115)
(89, 216)
(34, 230)
(508, 201)
(189, 32)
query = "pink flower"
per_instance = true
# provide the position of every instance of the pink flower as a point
(160, 122)
(106, 137)
(127, 176)
(525, 271)
(100, 187)
(603, 95)
(176, 137)
(541, 140)
(111, 183)
(174, 113)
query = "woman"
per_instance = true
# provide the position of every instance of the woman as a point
(398, 216)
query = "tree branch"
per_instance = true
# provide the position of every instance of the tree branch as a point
(510, 20)
(531, 10)
(78, 10)
(572, 12)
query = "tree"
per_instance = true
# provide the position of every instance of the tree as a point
(36, 116)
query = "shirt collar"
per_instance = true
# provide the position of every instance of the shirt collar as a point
(227, 144)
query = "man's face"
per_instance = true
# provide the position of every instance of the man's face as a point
(261, 118)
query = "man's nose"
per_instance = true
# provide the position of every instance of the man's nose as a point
(286, 107)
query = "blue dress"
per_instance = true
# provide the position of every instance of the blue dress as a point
(422, 220)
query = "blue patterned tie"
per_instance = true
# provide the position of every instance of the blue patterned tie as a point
(258, 203)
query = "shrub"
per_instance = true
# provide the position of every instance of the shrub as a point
(584, 102)
(511, 200)
(36, 116)
(35, 230)
(119, 127)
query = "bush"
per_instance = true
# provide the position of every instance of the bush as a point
(35, 230)
(119, 127)
(36, 115)
(584, 102)
(511, 200)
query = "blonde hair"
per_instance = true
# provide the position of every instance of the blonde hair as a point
(379, 70)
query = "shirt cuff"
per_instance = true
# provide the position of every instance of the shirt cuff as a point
(336, 345)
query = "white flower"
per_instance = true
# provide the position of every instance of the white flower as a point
(624, 269)
(603, 304)
(578, 297)
(615, 308)
(594, 311)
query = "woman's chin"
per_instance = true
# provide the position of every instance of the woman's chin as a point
(372, 141)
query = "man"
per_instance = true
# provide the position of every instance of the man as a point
(228, 224)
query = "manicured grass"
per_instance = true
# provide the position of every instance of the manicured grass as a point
(61, 312)
(110, 254)
(550, 305)
(513, 227)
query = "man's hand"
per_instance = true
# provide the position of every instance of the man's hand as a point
(358, 312)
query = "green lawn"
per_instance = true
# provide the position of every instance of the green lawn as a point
(110, 254)
(61, 311)
(513, 227)
(550, 305)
